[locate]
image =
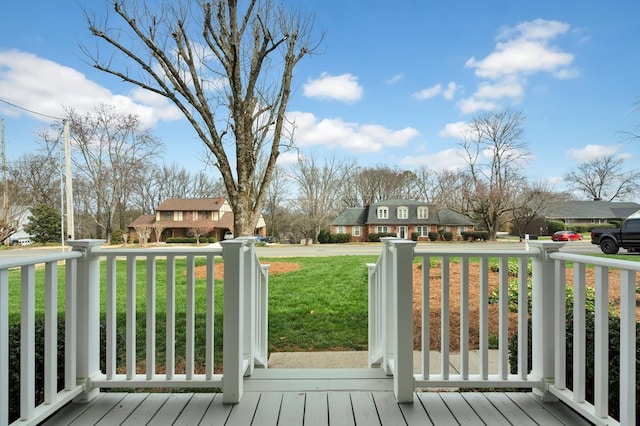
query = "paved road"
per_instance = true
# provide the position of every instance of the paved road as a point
(373, 249)
(289, 250)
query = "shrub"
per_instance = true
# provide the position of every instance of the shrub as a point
(433, 236)
(614, 355)
(555, 226)
(14, 360)
(475, 235)
(415, 236)
(116, 237)
(324, 236)
(375, 237)
(446, 235)
(340, 238)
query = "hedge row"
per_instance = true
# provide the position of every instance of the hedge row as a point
(375, 237)
(14, 361)
(187, 240)
(325, 237)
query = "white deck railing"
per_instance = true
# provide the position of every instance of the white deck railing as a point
(391, 307)
(244, 313)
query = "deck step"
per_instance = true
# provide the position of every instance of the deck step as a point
(325, 379)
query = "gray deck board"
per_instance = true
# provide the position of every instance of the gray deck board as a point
(292, 410)
(316, 408)
(195, 410)
(437, 409)
(364, 410)
(485, 409)
(340, 409)
(316, 411)
(464, 414)
(146, 410)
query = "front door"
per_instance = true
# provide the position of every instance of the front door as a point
(402, 232)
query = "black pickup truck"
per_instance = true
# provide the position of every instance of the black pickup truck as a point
(627, 237)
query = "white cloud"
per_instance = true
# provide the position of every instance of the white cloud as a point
(455, 130)
(429, 92)
(395, 79)
(46, 87)
(451, 90)
(448, 159)
(343, 88)
(287, 158)
(520, 51)
(471, 105)
(433, 91)
(590, 152)
(335, 132)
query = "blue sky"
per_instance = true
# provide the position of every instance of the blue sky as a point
(394, 83)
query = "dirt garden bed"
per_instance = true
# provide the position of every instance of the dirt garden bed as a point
(454, 298)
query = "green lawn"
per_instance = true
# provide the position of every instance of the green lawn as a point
(321, 306)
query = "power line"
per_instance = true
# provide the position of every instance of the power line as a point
(30, 111)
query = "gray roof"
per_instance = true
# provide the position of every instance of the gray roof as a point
(368, 215)
(590, 210)
(351, 216)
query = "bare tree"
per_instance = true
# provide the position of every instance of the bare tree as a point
(227, 68)
(144, 232)
(529, 202)
(36, 177)
(424, 185)
(200, 227)
(318, 191)
(603, 178)
(111, 151)
(494, 154)
(173, 181)
(275, 200)
(158, 227)
(382, 183)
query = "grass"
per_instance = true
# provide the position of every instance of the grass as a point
(321, 306)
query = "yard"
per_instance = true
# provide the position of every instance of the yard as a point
(315, 304)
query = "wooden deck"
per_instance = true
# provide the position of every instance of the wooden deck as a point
(317, 408)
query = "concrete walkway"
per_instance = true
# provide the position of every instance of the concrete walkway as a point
(359, 360)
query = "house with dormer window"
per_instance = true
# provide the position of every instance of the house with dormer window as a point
(401, 217)
(179, 217)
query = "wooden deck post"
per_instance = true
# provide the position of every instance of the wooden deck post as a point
(542, 317)
(400, 324)
(88, 316)
(233, 314)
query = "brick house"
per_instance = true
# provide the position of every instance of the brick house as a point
(179, 216)
(399, 216)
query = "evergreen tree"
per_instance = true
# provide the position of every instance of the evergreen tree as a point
(44, 224)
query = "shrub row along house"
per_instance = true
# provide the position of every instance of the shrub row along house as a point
(188, 217)
(404, 218)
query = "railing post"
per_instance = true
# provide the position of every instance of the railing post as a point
(88, 316)
(233, 319)
(402, 321)
(250, 273)
(542, 317)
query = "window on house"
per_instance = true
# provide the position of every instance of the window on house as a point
(340, 229)
(403, 213)
(381, 229)
(423, 231)
(215, 215)
(356, 231)
(166, 215)
(383, 213)
(423, 212)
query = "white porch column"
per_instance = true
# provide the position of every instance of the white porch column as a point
(233, 317)
(542, 316)
(88, 316)
(402, 321)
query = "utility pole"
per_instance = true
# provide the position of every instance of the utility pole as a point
(68, 181)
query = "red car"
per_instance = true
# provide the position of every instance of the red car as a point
(566, 236)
